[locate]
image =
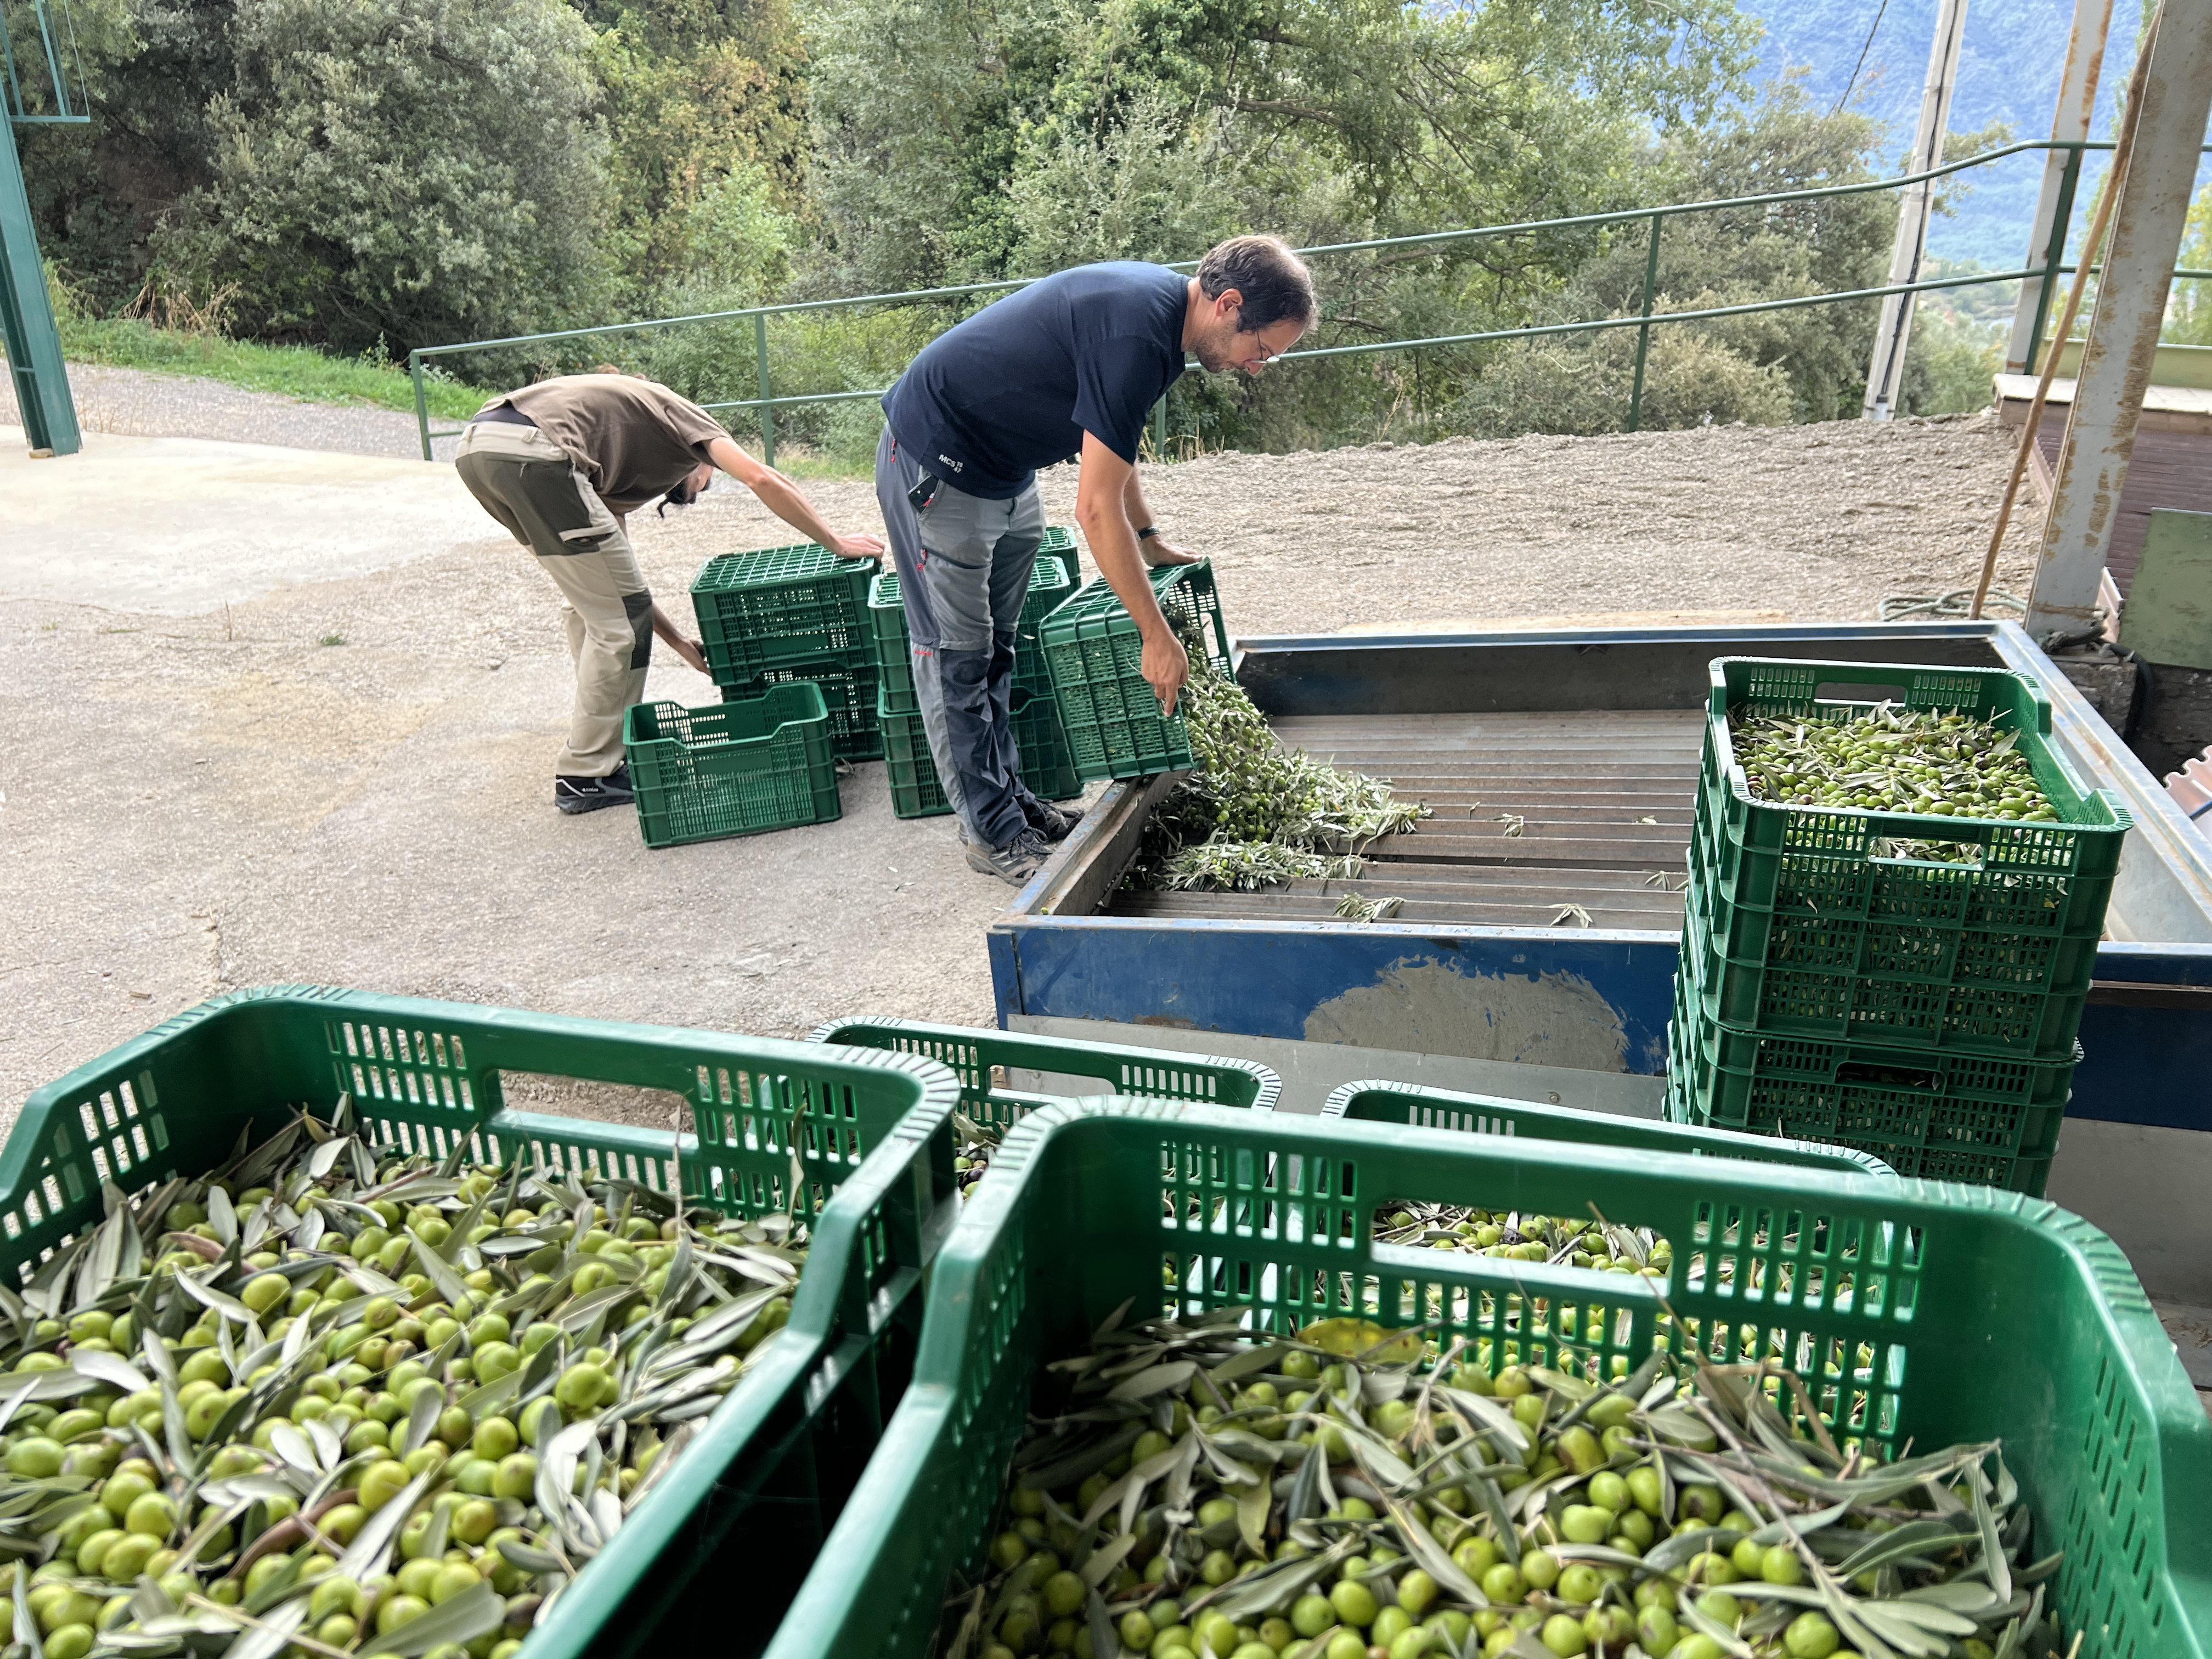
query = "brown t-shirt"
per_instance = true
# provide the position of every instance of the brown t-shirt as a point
(634, 439)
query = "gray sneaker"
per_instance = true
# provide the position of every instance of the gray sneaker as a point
(1014, 862)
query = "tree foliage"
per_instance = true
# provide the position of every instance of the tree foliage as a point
(346, 201)
(374, 174)
(705, 103)
(931, 117)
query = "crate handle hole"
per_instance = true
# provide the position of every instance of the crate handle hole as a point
(1851, 691)
(604, 1103)
(1887, 1077)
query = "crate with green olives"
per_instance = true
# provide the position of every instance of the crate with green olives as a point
(334, 1399)
(1185, 1490)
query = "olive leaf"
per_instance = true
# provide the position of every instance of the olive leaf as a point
(475, 1612)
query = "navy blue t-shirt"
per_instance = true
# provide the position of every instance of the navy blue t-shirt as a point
(1017, 385)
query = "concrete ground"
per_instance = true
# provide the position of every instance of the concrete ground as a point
(276, 714)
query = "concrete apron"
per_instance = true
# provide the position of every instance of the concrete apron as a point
(2142, 1185)
(229, 521)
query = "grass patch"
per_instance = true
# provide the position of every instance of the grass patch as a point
(294, 371)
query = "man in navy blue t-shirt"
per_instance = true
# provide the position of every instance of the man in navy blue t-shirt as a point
(1067, 368)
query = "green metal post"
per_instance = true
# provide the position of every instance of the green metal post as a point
(2054, 256)
(1644, 334)
(26, 316)
(421, 402)
(1160, 430)
(768, 414)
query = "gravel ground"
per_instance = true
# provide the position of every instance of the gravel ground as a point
(191, 805)
(1816, 521)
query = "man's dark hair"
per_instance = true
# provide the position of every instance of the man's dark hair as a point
(1274, 281)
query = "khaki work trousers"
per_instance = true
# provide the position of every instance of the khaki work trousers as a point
(526, 482)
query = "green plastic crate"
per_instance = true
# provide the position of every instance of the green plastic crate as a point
(1801, 930)
(1417, 1107)
(1975, 1118)
(848, 688)
(759, 1487)
(1988, 1314)
(894, 654)
(777, 606)
(1048, 588)
(737, 769)
(1048, 767)
(1113, 721)
(1060, 543)
(979, 1057)
(916, 790)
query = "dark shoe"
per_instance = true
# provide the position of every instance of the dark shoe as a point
(574, 795)
(1014, 862)
(1049, 820)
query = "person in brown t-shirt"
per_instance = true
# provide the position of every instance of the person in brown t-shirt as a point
(562, 464)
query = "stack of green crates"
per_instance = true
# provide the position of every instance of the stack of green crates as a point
(1046, 765)
(916, 791)
(1922, 1011)
(1091, 644)
(781, 615)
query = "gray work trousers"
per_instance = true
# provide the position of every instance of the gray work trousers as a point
(963, 569)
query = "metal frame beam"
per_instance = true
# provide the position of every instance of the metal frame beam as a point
(27, 318)
(2136, 275)
(1886, 368)
(2046, 242)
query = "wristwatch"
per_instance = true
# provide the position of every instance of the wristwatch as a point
(1147, 533)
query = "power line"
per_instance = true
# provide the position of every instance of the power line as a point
(1861, 65)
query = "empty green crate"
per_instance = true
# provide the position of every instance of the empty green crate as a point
(1414, 1106)
(1113, 721)
(1803, 930)
(894, 654)
(1953, 1117)
(1048, 767)
(985, 1061)
(1048, 588)
(869, 1133)
(1965, 1316)
(737, 769)
(848, 690)
(777, 606)
(1060, 543)
(916, 791)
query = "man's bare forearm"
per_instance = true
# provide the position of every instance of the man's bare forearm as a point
(1133, 503)
(784, 498)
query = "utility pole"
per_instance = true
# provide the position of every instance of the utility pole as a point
(2147, 222)
(2061, 173)
(1886, 369)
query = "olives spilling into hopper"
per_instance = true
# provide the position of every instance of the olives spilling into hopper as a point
(1255, 814)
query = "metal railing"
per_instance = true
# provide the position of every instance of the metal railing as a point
(765, 406)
